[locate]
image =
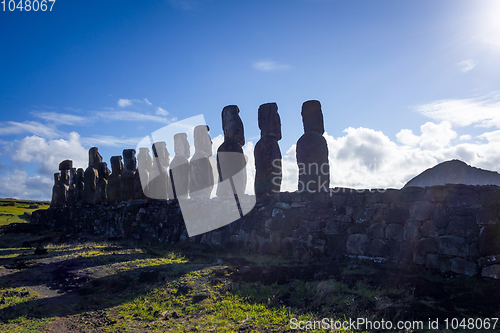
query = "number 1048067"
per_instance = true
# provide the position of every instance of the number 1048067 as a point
(27, 5)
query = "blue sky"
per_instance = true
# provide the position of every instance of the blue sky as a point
(404, 85)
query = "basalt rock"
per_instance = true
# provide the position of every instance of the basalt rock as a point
(90, 188)
(312, 150)
(201, 179)
(267, 151)
(79, 186)
(179, 167)
(115, 180)
(102, 183)
(66, 165)
(231, 162)
(128, 174)
(94, 157)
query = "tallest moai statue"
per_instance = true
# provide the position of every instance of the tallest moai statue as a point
(231, 161)
(312, 150)
(267, 151)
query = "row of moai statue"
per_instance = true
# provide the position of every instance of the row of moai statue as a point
(159, 178)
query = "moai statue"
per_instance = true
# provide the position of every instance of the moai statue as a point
(102, 183)
(64, 168)
(56, 191)
(231, 161)
(91, 175)
(79, 186)
(72, 188)
(141, 180)
(179, 167)
(128, 175)
(267, 151)
(312, 150)
(201, 177)
(115, 180)
(159, 186)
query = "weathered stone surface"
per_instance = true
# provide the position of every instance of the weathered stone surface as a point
(492, 271)
(58, 192)
(455, 200)
(487, 216)
(201, 179)
(312, 117)
(90, 188)
(406, 252)
(427, 245)
(94, 157)
(378, 248)
(489, 260)
(436, 194)
(376, 230)
(463, 226)
(115, 179)
(79, 186)
(440, 216)
(430, 230)
(66, 165)
(130, 164)
(102, 183)
(312, 150)
(398, 213)
(432, 261)
(453, 246)
(489, 240)
(421, 210)
(412, 231)
(267, 151)
(179, 167)
(159, 186)
(357, 244)
(461, 266)
(394, 231)
(231, 162)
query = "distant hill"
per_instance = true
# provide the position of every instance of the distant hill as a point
(455, 172)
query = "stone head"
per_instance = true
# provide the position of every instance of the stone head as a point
(129, 160)
(269, 121)
(116, 165)
(66, 165)
(312, 117)
(232, 124)
(57, 178)
(181, 145)
(94, 157)
(202, 140)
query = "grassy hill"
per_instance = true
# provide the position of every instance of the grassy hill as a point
(13, 211)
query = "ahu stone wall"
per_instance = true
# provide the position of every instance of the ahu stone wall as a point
(452, 228)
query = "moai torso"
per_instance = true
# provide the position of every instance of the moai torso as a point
(159, 181)
(312, 150)
(141, 180)
(267, 152)
(201, 179)
(179, 167)
(90, 195)
(231, 161)
(102, 183)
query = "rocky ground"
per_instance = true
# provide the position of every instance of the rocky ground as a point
(94, 285)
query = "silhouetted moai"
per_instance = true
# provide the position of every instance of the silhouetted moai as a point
(56, 191)
(91, 175)
(179, 167)
(312, 150)
(231, 161)
(201, 177)
(130, 164)
(141, 180)
(102, 183)
(72, 188)
(267, 152)
(159, 186)
(115, 180)
(79, 186)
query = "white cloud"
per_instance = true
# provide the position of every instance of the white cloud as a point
(133, 116)
(435, 137)
(466, 65)
(483, 112)
(269, 66)
(465, 137)
(122, 102)
(147, 101)
(19, 185)
(161, 112)
(406, 137)
(33, 127)
(49, 153)
(61, 118)
(109, 141)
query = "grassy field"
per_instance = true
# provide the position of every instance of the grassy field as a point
(12, 211)
(97, 286)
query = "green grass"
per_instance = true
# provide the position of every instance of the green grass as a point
(12, 213)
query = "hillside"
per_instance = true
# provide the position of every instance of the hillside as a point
(455, 172)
